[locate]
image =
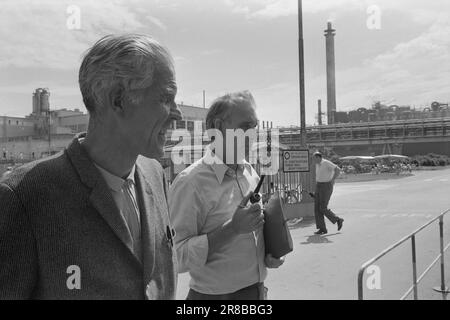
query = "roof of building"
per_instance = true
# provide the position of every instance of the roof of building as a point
(192, 112)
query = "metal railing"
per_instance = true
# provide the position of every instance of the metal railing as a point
(443, 289)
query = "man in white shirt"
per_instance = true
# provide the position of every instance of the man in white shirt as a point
(219, 237)
(326, 174)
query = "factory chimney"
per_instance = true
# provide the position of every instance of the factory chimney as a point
(41, 103)
(319, 112)
(331, 79)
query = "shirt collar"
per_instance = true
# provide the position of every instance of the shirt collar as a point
(221, 169)
(114, 182)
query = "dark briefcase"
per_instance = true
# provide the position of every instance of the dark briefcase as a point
(277, 237)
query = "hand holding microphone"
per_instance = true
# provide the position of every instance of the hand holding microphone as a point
(248, 219)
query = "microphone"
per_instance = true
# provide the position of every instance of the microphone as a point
(170, 234)
(256, 197)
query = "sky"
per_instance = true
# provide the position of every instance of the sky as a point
(397, 52)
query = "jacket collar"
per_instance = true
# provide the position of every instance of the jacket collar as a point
(100, 196)
(114, 182)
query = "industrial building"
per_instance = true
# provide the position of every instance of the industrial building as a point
(47, 131)
(380, 112)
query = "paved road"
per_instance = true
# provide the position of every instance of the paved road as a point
(377, 214)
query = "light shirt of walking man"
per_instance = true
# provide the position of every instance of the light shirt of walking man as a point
(326, 174)
(219, 238)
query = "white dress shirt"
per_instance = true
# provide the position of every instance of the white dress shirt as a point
(325, 171)
(202, 198)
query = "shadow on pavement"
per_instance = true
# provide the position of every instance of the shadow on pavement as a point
(319, 238)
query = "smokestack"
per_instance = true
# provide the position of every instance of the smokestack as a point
(319, 112)
(204, 105)
(35, 102)
(45, 103)
(331, 79)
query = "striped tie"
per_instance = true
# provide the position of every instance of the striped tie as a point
(131, 213)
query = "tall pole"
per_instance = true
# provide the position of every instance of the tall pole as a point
(204, 104)
(301, 66)
(307, 179)
(331, 77)
(319, 112)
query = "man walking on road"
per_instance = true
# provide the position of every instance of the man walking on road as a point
(326, 174)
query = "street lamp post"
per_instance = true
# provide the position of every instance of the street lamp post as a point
(301, 75)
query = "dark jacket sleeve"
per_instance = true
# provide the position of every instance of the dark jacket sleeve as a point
(18, 260)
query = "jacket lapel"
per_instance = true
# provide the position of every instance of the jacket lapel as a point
(102, 200)
(100, 196)
(148, 210)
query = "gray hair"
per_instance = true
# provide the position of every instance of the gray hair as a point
(222, 107)
(125, 62)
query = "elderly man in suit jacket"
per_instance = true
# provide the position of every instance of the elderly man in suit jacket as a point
(92, 221)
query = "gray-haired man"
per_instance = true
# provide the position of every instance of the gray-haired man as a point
(219, 237)
(90, 222)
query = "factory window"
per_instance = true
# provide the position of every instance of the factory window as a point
(17, 122)
(190, 125)
(9, 121)
(181, 124)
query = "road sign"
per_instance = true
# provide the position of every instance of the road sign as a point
(296, 161)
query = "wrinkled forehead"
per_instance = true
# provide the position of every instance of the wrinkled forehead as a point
(165, 81)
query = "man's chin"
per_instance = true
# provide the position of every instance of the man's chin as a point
(154, 153)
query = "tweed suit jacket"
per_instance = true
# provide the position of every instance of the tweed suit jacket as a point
(63, 237)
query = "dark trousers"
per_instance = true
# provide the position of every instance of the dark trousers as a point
(253, 292)
(323, 194)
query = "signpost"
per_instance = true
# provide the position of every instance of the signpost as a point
(296, 161)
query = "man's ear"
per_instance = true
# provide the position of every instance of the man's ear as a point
(218, 124)
(117, 100)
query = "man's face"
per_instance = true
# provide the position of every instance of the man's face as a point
(145, 122)
(317, 159)
(243, 117)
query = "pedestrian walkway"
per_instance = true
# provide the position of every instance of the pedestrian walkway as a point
(377, 214)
